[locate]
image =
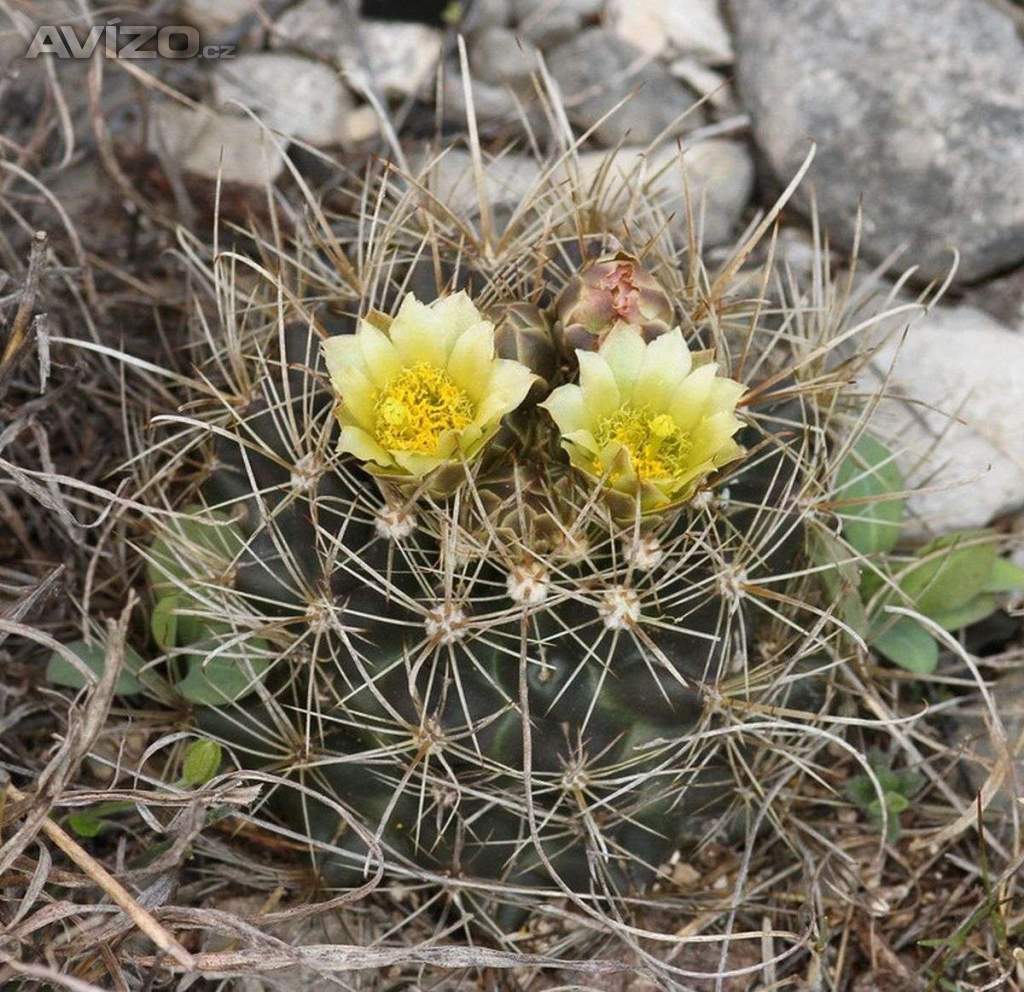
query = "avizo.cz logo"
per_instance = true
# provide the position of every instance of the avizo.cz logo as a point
(124, 41)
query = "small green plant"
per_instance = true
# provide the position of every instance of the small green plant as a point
(953, 581)
(201, 761)
(897, 788)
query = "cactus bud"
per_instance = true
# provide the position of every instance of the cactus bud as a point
(524, 335)
(611, 290)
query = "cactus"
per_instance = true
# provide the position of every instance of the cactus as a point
(464, 652)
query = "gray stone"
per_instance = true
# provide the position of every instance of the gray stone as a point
(1002, 297)
(692, 27)
(523, 10)
(207, 143)
(213, 17)
(507, 181)
(484, 14)
(596, 70)
(402, 56)
(916, 105)
(291, 94)
(960, 429)
(316, 25)
(719, 173)
(549, 24)
(705, 82)
(498, 56)
(493, 104)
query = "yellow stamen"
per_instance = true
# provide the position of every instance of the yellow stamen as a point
(417, 406)
(657, 447)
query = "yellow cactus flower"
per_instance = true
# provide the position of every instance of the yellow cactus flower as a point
(423, 389)
(645, 421)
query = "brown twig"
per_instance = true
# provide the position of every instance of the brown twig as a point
(18, 338)
(113, 888)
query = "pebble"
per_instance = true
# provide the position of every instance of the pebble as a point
(597, 70)
(402, 55)
(291, 94)
(497, 56)
(962, 434)
(720, 174)
(205, 143)
(917, 108)
(508, 181)
(690, 27)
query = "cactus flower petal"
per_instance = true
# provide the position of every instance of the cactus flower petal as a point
(691, 396)
(473, 350)
(568, 409)
(597, 380)
(379, 354)
(667, 363)
(356, 441)
(425, 392)
(643, 422)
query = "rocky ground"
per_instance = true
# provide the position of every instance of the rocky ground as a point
(914, 110)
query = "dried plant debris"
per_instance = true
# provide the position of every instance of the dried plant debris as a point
(437, 589)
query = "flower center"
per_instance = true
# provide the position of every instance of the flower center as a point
(417, 406)
(657, 447)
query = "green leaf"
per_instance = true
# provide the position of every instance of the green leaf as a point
(202, 762)
(896, 802)
(861, 790)
(164, 621)
(906, 643)
(840, 580)
(174, 622)
(869, 473)
(60, 671)
(197, 544)
(950, 574)
(963, 616)
(85, 823)
(1005, 577)
(218, 677)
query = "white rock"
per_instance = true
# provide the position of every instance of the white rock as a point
(313, 24)
(361, 124)
(962, 434)
(486, 14)
(693, 27)
(290, 93)
(490, 103)
(507, 180)
(403, 56)
(497, 56)
(720, 175)
(705, 82)
(207, 143)
(214, 16)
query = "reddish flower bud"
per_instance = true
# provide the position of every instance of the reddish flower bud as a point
(613, 289)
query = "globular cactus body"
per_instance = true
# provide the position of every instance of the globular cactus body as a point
(497, 665)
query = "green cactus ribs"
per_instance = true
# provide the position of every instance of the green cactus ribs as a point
(483, 658)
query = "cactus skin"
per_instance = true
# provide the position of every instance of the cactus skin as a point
(402, 702)
(523, 333)
(608, 290)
